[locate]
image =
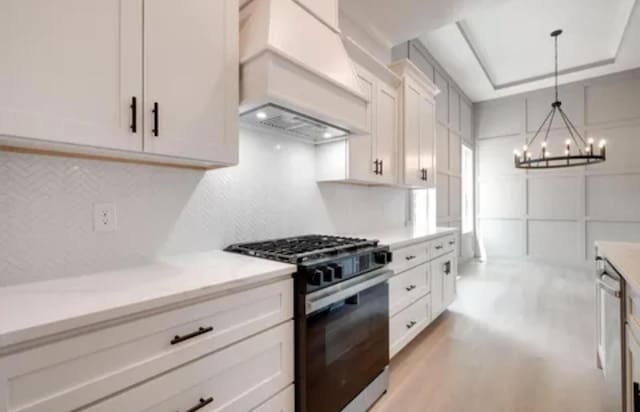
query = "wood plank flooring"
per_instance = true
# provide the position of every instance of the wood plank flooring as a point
(519, 338)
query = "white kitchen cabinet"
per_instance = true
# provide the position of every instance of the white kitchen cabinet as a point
(454, 109)
(443, 282)
(190, 61)
(85, 78)
(632, 380)
(417, 136)
(69, 71)
(77, 370)
(368, 158)
(422, 287)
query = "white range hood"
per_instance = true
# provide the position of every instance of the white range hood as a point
(296, 75)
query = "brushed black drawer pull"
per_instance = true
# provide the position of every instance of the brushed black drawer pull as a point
(447, 267)
(411, 324)
(156, 115)
(410, 288)
(200, 331)
(381, 167)
(410, 257)
(377, 167)
(134, 114)
(452, 242)
(202, 404)
(439, 247)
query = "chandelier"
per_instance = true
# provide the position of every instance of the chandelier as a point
(582, 154)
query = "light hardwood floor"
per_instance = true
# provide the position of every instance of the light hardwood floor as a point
(519, 338)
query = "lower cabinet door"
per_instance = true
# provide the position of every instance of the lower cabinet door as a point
(238, 378)
(450, 279)
(437, 286)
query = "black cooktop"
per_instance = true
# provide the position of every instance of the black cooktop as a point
(299, 249)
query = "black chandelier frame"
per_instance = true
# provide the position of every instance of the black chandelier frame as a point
(588, 156)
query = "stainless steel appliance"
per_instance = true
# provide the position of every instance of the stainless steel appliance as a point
(341, 318)
(610, 332)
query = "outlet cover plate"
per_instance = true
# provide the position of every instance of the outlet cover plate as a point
(104, 217)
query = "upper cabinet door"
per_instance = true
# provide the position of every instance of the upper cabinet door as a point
(191, 79)
(412, 127)
(70, 69)
(427, 139)
(361, 151)
(387, 132)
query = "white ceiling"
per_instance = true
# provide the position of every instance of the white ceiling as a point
(502, 47)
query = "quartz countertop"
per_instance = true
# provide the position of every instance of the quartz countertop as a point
(625, 257)
(398, 238)
(35, 310)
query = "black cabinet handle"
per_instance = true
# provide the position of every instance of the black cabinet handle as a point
(447, 267)
(377, 170)
(439, 247)
(381, 167)
(452, 242)
(411, 324)
(203, 402)
(156, 115)
(410, 288)
(410, 257)
(201, 331)
(636, 397)
(134, 114)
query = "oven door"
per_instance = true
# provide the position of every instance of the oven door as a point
(347, 342)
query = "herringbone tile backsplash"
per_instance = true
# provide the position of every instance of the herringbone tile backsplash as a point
(46, 208)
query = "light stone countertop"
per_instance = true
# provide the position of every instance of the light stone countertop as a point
(398, 238)
(625, 257)
(35, 310)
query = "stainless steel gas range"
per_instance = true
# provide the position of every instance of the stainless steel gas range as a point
(341, 317)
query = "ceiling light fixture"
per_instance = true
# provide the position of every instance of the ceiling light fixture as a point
(583, 154)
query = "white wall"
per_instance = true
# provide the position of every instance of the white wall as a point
(46, 208)
(556, 215)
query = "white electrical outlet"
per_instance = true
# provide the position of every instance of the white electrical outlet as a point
(104, 217)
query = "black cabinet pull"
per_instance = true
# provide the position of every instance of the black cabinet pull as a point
(411, 324)
(452, 242)
(447, 267)
(381, 167)
(439, 247)
(203, 402)
(156, 115)
(201, 331)
(376, 171)
(410, 288)
(410, 257)
(134, 114)
(636, 397)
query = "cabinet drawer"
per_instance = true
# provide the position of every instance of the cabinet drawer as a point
(443, 245)
(408, 286)
(282, 402)
(408, 257)
(73, 372)
(238, 378)
(408, 323)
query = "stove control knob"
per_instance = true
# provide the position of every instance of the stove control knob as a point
(314, 277)
(328, 274)
(382, 257)
(337, 270)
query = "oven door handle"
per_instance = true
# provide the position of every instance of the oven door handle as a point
(609, 285)
(341, 291)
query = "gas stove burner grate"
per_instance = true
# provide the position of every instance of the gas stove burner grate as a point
(301, 248)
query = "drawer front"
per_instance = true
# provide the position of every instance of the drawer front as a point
(443, 245)
(68, 374)
(408, 257)
(408, 323)
(407, 287)
(282, 402)
(237, 378)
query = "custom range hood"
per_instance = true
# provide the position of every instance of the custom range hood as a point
(296, 76)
